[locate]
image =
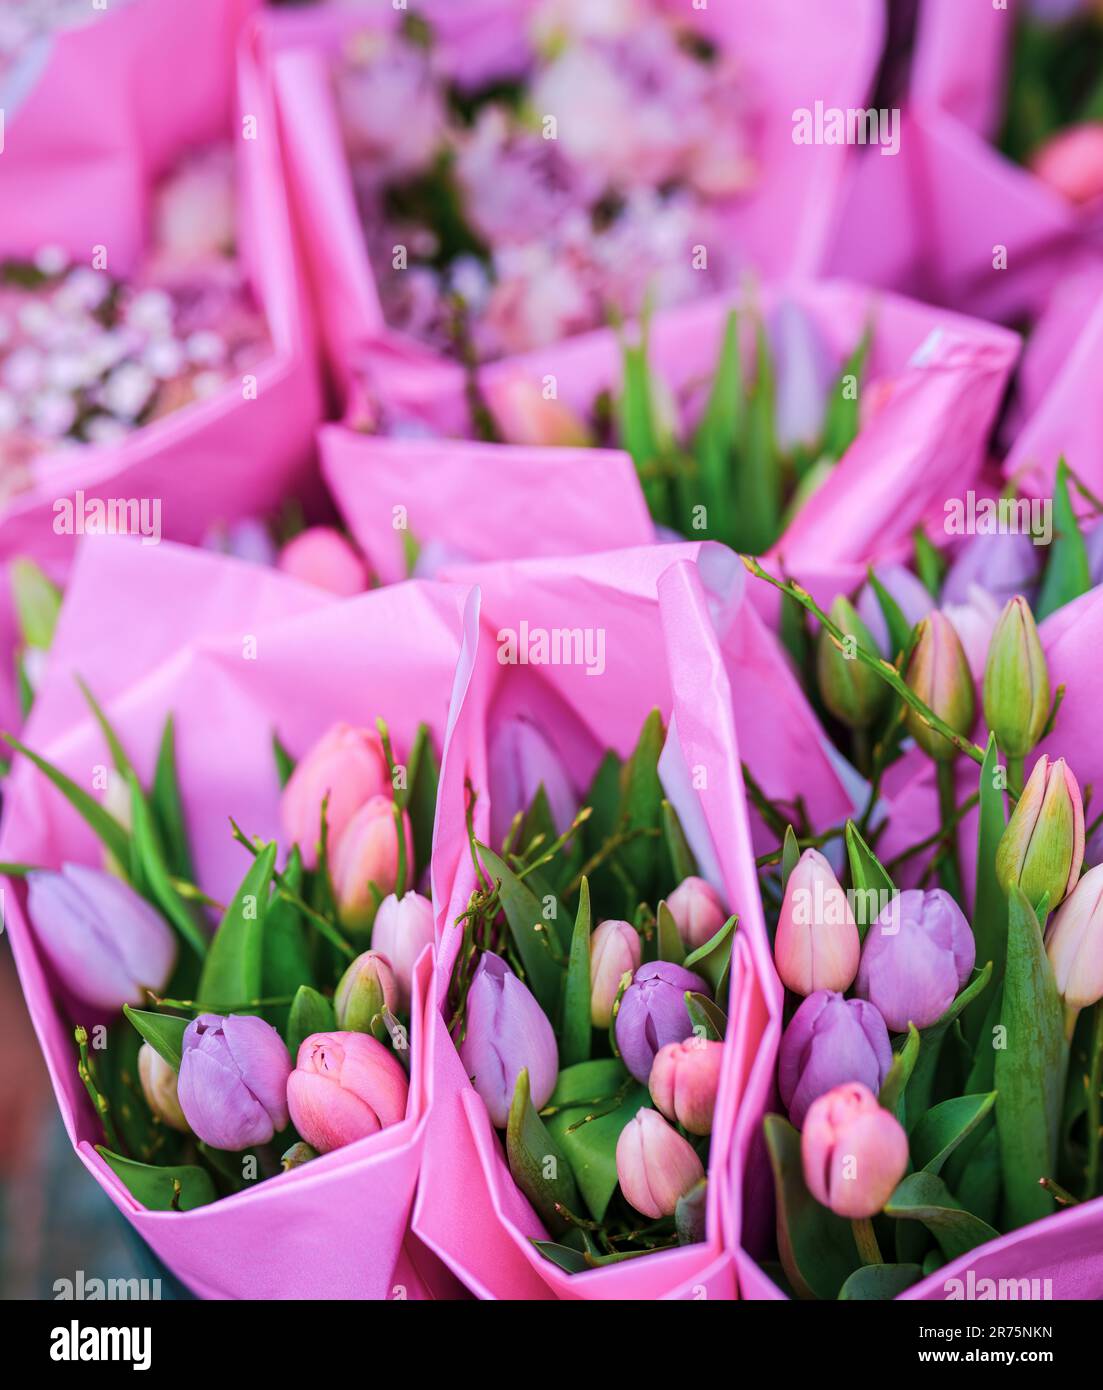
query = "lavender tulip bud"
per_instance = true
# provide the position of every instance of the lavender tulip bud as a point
(233, 1080)
(1042, 848)
(403, 928)
(614, 953)
(506, 1032)
(520, 760)
(939, 674)
(1016, 681)
(1074, 943)
(653, 1013)
(816, 945)
(697, 911)
(108, 945)
(158, 1080)
(851, 690)
(804, 373)
(366, 988)
(1001, 563)
(655, 1165)
(852, 1151)
(685, 1077)
(918, 953)
(831, 1040)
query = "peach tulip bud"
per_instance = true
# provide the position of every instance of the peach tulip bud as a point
(614, 952)
(1042, 848)
(158, 1080)
(321, 556)
(348, 766)
(684, 1080)
(1074, 942)
(655, 1165)
(345, 1086)
(524, 415)
(939, 674)
(817, 944)
(697, 911)
(1072, 162)
(853, 1152)
(365, 858)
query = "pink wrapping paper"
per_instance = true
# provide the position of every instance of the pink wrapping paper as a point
(336, 1227)
(680, 635)
(223, 458)
(792, 56)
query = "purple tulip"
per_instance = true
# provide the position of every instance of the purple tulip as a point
(507, 1031)
(108, 944)
(918, 954)
(521, 761)
(911, 594)
(1002, 563)
(805, 374)
(233, 1080)
(831, 1040)
(1093, 541)
(653, 1013)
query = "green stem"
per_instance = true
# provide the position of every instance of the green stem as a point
(947, 814)
(866, 1241)
(1015, 776)
(1095, 1086)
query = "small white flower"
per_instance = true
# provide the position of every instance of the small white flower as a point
(127, 389)
(51, 260)
(205, 348)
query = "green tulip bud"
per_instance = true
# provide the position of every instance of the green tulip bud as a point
(1042, 848)
(851, 690)
(1016, 682)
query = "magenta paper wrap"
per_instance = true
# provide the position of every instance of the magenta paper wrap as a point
(223, 458)
(792, 55)
(680, 636)
(336, 1227)
(928, 220)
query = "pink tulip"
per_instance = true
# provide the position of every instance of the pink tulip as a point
(1072, 162)
(614, 951)
(345, 1086)
(524, 415)
(321, 556)
(853, 1152)
(365, 858)
(817, 944)
(347, 765)
(684, 1081)
(697, 911)
(403, 928)
(1074, 942)
(655, 1165)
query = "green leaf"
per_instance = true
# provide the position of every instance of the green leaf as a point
(151, 867)
(168, 807)
(118, 753)
(539, 1165)
(162, 1189)
(980, 1183)
(681, 856)
(37, 603)
(918, 1096)
(869, 880)
(422, 805)
(286, 961)
(285, 763)
(1030, 1069)
(576, 1033)
(717, 435)
(311, 1012)
(817, 1247)
(642, 805)
(572, 1261)
(990, 905)
(163, 1032)
(529, 930)
(757, 482)
(941, 1130)
(669, 939)
(1067, 573)
(232, 972)
(899, 629)
(101, 822)
(841, 423)
(880, 1282)
(929, 563)
(713, 958)
(926, 1198)
(708, 1019)
(899, 1074)
(605, 1090)
(639, 434)
(790, 855)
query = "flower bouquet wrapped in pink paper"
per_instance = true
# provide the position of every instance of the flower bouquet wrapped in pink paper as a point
(553, 164)
(603, 991)
(940, 1075)
(156, 369)
(228, 980)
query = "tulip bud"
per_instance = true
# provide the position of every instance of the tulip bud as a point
(831, 1040)
(917, 955)
(1043, 846)
(653, 1013)
(614, 953)
(684, 1080)
(853, 1152)
(108, 945)
(158, 1080)
(1071, 162)
(524, 415)
(233, 1080)
(655, 1165)
(116, 802)
(345, 1086)
(1003, 564)
(817, 944)
(506, 1032)
(366, 988)
(1074, 942)
(366, 857)
(296, 1156)
(697, 911)
(851, 690)
(348, 766)
(403, 928)
(321, 556)
(520, 761)
(939, 674)
(804, 373)
(1016, 682)
(912, 597)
